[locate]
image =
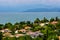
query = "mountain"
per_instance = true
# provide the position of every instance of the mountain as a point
(43, 10)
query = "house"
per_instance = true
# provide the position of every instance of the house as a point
(2, 31)
(59, 37)
(23, 30)
(42, 24)
(16, 31)
(34, 34)
(54, 22)
(18, 35)
(5, 30)
(11, 36)
(7, 34)
(27, 27)
(47, 23)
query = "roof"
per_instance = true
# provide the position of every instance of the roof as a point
(42, 24)
(18, 35)
(6, 34)
(5, 30)
(54, 22)
(22, 30)
(27, 27)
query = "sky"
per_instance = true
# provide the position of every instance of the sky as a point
(21, 5)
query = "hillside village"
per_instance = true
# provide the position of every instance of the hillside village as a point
(38, 30)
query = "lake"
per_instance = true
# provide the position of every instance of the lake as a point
(24, 16)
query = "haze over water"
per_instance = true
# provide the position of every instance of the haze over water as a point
(25, 16)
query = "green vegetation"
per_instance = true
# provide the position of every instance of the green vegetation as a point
(26, 30)
(1, 36)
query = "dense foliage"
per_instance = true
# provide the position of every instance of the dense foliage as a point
(50, 30)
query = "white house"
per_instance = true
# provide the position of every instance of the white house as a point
(42, 24)
(16, 31)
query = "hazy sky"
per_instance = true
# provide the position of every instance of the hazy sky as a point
(21, 5)
(15, 2)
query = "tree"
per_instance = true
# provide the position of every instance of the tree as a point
(57, 19)
(1, 26)
(21, 38)
(8, 25)
(12, 38)
(51, 26)
(37, 20)
(28, 37)
(28, 23)
(44, 20)
(58, 32)
(36, 28)
(52, 19)
(6, 38)
(38, 38)
(22, 22)
(16, 26)
(58, 26)
(1, 36)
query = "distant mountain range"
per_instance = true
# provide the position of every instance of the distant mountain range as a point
(43, 10)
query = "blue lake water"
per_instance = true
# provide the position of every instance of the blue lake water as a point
(24, 16)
